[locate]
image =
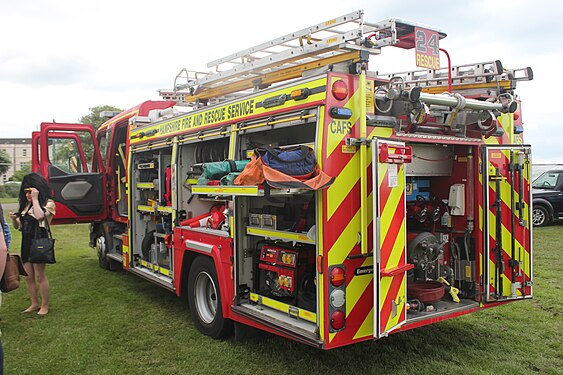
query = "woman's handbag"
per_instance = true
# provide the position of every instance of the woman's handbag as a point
(42, 250)
(11, 278)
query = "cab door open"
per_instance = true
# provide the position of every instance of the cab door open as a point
(389, 234)
(67, 155)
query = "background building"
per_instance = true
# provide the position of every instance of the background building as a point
(19, 150)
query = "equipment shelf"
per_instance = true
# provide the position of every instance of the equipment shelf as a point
(279, 235)
(165, 210)
(249, 191)
(147, 185)
(145, 209)
(291, 311)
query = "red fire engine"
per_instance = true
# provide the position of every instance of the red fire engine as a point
(413, 205)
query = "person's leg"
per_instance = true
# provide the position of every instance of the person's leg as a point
(1, 359)
(31, 287)
(41, 279)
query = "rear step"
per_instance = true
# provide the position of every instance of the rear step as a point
(298, 330)
(117, 257)
(164, 281)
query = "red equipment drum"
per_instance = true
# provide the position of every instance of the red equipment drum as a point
(425, 291)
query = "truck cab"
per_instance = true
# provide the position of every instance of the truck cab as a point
(547, 192)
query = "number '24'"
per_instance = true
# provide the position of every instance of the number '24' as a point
(431, 43)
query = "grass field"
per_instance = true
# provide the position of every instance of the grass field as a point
(115, 323)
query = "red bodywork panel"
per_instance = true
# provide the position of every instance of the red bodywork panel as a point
(219, 248)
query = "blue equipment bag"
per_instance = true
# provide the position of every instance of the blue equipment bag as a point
(292, 161)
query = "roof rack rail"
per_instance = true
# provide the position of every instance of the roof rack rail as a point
(287, 57)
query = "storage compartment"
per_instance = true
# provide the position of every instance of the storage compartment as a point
(286, 273)
(273, 230)
(440, 228)
(278, 252)
(151, 194)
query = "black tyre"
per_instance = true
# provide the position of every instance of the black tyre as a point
(540, 216)
(307, 293)
(204, 298)
(148, 240)
(102, 243)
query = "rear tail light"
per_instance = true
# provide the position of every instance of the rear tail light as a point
(336, 297)
(339, 90)
(337, 320)
(337, 276)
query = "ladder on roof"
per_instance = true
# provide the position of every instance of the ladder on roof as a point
(287, 57)
(468, 77)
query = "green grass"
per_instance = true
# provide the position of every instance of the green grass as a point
(8, 200)
(102, 322)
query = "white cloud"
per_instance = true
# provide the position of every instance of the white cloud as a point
(60, 57)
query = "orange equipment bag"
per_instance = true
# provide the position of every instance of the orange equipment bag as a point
(256, 172)
(251, 174)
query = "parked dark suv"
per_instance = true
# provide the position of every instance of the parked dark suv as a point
(547, 195)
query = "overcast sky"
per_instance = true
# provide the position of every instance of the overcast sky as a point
(58, 58)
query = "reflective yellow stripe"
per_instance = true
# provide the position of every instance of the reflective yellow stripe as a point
(125, 251)
(343, 184)
(507, 242)
(358, 285)
(145, 185)
(335, 139)
(155, 267)
(392, 204)
(242, 190)
(276, 234)
(145, 208)
(355, 289)
(399, 299)
(398, 247)
(366, 329)
(284, 307)
(165, 209)
(506, 284)
(320, 276)
(348, 238)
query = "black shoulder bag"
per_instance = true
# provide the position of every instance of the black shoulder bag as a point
(42, 250)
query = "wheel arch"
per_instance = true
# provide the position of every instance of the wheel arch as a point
(221, 325)
(223, 278)
(545, 203)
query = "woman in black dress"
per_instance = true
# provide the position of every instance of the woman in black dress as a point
(35, 207)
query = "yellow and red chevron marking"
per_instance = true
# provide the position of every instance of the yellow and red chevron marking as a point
(500, 158)
(341, 211)
(392, 245)
(506, 123)
(341, 219)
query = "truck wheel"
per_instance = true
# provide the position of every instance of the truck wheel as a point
(204, 298)
(103, 245)
(101, 248)
(540, 216)
(146, 245)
